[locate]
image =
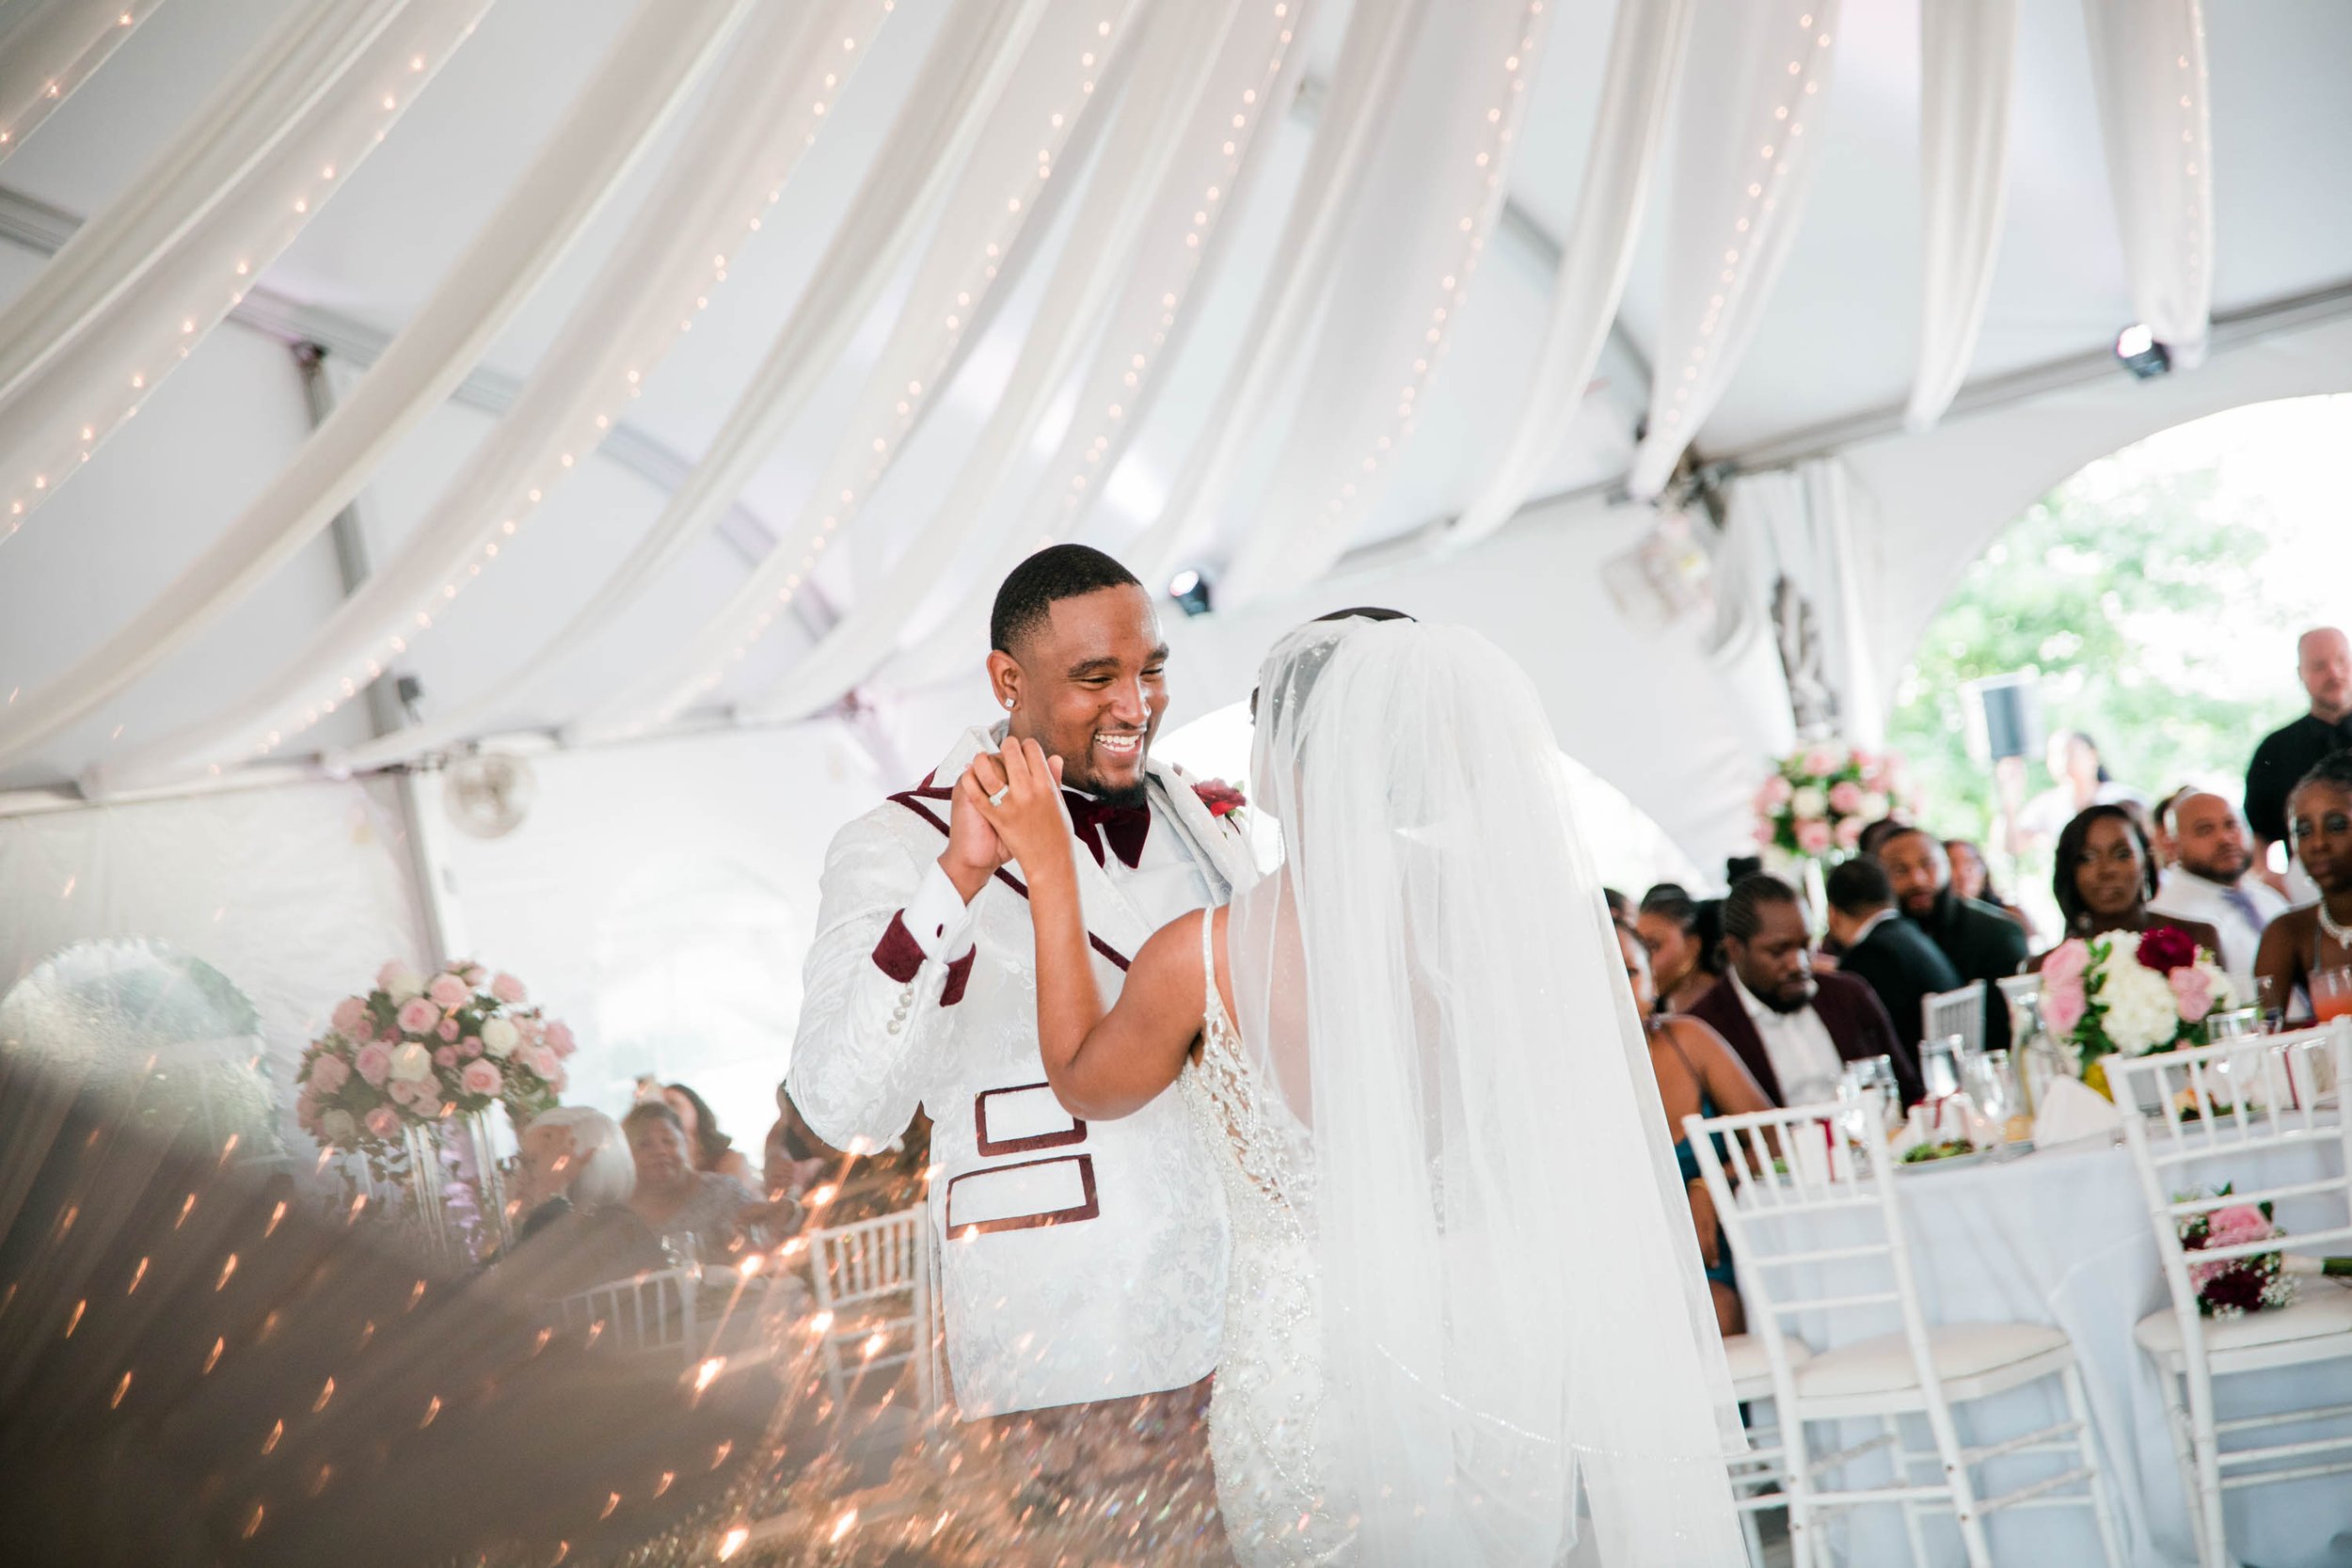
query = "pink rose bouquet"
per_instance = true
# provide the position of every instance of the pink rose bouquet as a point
(416, 1049)
(1815, 803)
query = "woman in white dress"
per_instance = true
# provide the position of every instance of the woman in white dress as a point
(1463, 1294)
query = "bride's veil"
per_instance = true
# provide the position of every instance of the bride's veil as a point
(1512, 1295)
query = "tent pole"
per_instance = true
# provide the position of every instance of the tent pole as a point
(423, 836)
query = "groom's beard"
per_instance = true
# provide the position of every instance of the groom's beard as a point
(1137, 793)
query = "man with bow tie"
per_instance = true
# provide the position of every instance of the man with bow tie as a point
(1082, 1265)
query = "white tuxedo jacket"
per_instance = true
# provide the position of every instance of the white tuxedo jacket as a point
(1079, 1262)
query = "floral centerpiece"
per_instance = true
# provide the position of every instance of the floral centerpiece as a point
(415, 1050)
(1815, 802)
(2138, 994)
(2233, 1287)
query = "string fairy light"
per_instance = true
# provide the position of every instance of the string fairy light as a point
(1488, 164)
(586, 426)
(315, 162)
(893, 415)
(89, 47)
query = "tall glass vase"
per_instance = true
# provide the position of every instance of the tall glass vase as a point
(427, 1213)
(495, 1229)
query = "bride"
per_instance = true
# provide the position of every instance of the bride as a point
(1463, 1285)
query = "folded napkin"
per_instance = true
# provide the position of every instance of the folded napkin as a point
(2070, 1111)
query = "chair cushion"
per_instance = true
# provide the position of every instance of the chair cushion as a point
(2319, 1309)
(1752, 1369)
(1959, 1351)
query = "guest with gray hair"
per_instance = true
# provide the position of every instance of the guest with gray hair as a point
(574, 1160)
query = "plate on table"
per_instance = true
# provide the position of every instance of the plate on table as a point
(1945, 1161)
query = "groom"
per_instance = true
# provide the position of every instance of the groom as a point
(1083, 1265)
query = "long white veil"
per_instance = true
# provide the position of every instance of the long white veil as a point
(1512, 1295)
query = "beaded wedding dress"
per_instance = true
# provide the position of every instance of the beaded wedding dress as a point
(1267, 1401)
(1466, 1322)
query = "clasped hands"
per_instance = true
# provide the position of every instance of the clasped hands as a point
(1007, 806)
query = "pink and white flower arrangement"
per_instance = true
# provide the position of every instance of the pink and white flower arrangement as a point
(417, 1048)
(2133, 993)
(2233, 1287)
(1816, 802)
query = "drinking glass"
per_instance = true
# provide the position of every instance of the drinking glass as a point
(2270, 1001)
(2237, 1024)
(1939, 1065)
(2332, 994)
(1876, 1077)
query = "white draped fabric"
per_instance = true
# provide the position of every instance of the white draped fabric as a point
(964, 74)
(50, 50)
(1808, 526)
(1173, 268)
(1444, 155)
(2148, 61)
(1758, 74)
(1165, 107)
(657, 55)
(1645, 63)
(141, 284)
(762, 112)
(961, 279)
(1371, 56)
(1967, 53)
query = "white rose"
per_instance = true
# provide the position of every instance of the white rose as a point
(412, 1063)
(405, 985)
(1874, 804)
(1812, 801)
(2142, 1009)
(498, 1036)
(337, 1127)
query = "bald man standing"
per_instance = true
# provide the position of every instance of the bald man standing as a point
(2324, 659)
(2208, 881)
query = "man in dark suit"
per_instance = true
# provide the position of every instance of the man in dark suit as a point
(1793, 1028)
(1981, 943)
(1882, 948)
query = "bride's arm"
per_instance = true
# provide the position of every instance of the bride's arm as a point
(1103, 1063)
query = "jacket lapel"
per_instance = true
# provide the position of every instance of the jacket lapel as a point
(1224, 845)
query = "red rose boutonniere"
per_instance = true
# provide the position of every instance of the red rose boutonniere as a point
(1221, 799)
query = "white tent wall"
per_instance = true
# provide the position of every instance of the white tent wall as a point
(295, 893)
(659, 899)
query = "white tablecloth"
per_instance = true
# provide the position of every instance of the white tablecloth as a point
(2061, 1236)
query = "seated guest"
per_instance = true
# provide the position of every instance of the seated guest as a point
(2314, 937)
(1878, 832)
(1683, 959)
(574, 1160)
(2105, 877)
(574, 1185)
(673, 1198)
(2210, 880)
(1981, 943)
(1972, 878)
(840, 1188)
(1697, 1075)
(1881, 948)
(714, 1150)
(1795, 1030)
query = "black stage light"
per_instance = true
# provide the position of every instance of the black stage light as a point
(1191, 590)
(2140, 353)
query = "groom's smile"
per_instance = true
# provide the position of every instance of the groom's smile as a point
(1086, 680)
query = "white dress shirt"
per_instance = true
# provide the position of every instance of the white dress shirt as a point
(1165, 882)
(2186, 895)
(1803, 1057)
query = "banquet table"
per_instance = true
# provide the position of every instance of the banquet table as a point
(2061, 1236)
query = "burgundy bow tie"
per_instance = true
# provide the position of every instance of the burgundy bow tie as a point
(1099, 822)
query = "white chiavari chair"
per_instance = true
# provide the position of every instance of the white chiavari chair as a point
(647, 1312)
(1958, 1012)
(2264, 1100)
(860, 1274)
(1826, 1182)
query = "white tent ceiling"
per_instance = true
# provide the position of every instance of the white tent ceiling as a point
(1829, 369)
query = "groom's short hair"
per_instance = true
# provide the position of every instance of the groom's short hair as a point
(1057, 572)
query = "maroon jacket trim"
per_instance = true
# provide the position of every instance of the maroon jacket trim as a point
(912, 799)
(899, 955)
(1090, 1207)
(1074, 1134)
